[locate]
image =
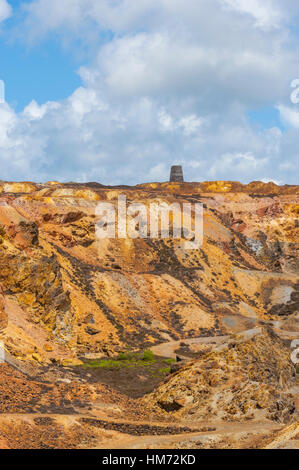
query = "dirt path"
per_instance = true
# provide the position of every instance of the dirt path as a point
(127, 434)
(168, 349)
(165, 441)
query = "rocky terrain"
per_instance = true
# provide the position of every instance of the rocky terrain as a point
(248, 377)
(79, 318)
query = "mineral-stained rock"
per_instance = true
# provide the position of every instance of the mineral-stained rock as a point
(92, 331)
(67, 298)
(247, 378)
(3, 314)
(286, 438)
(91, 296)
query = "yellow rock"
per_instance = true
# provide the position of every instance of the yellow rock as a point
(37, 357)
(19, 187)
(71, 362)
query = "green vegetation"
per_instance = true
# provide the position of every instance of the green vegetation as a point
(130, 359)
(105, 364)
(164, 371)
(148, 356)
(125, 356)
(169, 361)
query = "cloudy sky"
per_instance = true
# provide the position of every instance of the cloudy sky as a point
(116, 91)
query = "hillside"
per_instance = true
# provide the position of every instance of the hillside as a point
(67, 298)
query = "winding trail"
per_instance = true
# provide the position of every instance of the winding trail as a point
(114, 435)
(168, 349)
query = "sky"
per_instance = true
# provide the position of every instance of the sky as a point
(117, 91)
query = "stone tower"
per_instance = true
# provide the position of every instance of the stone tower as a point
(176, 174)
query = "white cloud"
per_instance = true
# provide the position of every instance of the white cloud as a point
(289, 115)
(166, 121)
(266, 14)
(159, 172)
(189, 124)
(8, 121)
(33, 111)
(126, 15)
(172, 85)
(5, 10)
(242, 163)
(269, 180)
(192, 48)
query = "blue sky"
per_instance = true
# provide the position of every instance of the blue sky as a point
(266, 118)
(118, 91)
(42, 73)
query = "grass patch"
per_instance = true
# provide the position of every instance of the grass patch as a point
(164, 370)
(148, 356)
(128, 359)
(105, 364)
(169, 361)
(127, 356)
(124, 359)
(132, 373)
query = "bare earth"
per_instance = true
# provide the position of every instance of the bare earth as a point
(77, 314)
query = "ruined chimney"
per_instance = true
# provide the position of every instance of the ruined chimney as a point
(176, 174)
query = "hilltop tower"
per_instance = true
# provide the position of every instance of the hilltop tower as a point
(176, 174)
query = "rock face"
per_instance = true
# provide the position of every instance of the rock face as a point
(247, 378)
(54, 273)
(3, 315)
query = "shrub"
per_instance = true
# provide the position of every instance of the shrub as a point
(124, 356)
(148, 356)
(164, 371)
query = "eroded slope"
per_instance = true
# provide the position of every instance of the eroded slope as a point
(65, 295)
